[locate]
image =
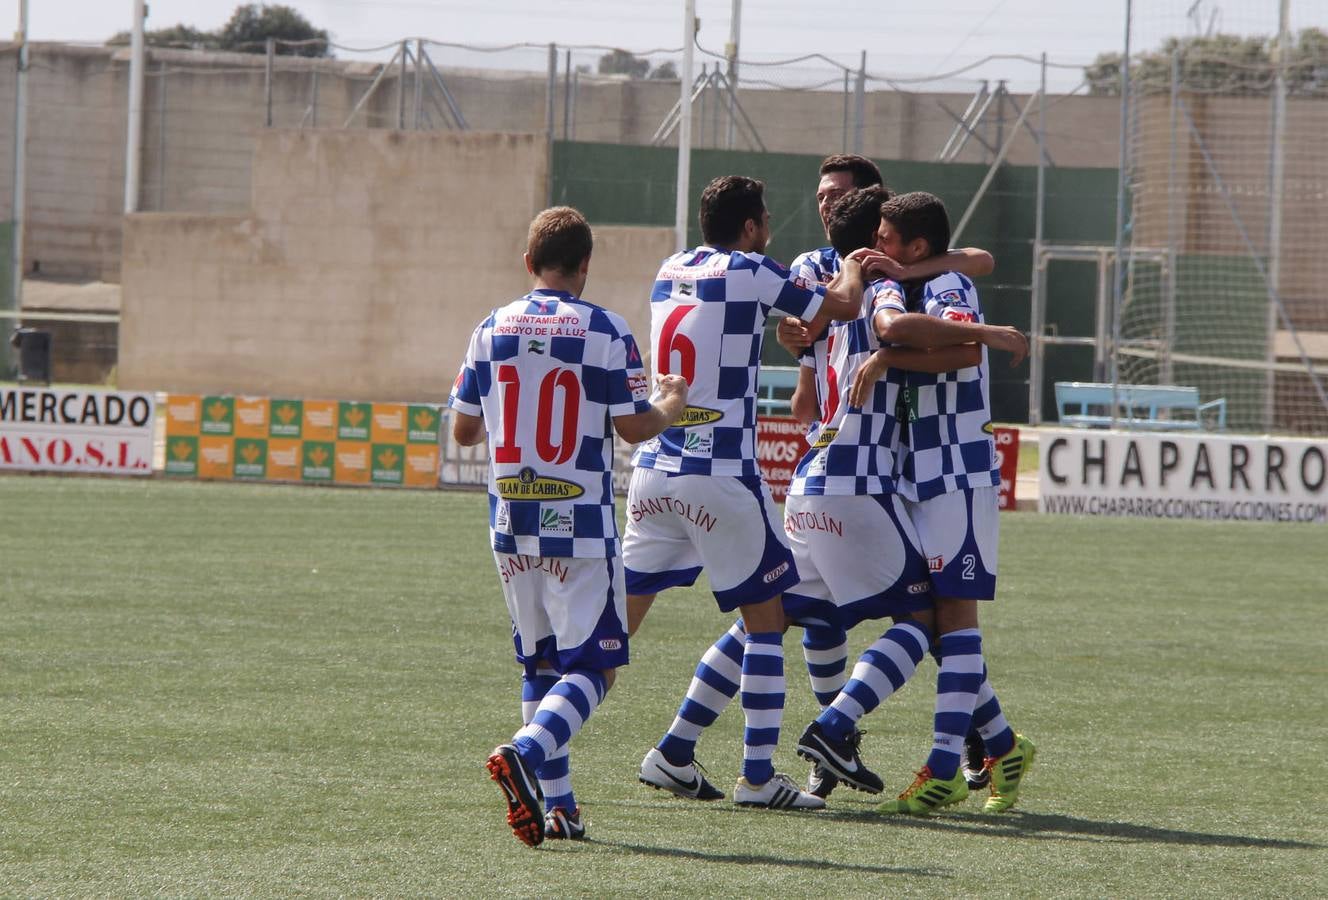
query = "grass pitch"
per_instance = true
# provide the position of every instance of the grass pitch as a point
(232, 690)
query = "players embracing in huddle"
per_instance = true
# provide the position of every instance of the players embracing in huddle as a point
(894, 382)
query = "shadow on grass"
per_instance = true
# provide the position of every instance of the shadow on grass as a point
(753, 859)
(1049, 826)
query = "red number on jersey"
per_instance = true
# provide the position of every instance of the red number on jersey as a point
(571, 406)
(831, 380)
(671, 342)
(508, 451)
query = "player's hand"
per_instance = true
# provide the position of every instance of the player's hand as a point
(793, 335)
(671, 386)
(1011, 340)
(871, 261)
(891, 268)
(868, 374)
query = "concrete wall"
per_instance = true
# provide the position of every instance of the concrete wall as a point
(359, 272)
(202, 112)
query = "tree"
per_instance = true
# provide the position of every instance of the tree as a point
(665, 71)
(251, 25)
(623, 62)
(247, 32)
(1220, 63)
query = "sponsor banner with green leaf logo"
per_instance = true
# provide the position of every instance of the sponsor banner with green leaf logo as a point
(422, 424)
(353, 421)
(225, 437)
(218, 416)
(182, 456)
(317, 459)
(251, 458)
(388, 463)
(284, 418)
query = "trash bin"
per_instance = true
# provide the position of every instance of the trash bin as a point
(34, 354)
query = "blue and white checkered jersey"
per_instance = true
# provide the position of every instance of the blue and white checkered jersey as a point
(548, 373)
(708, 311)
(820, 266)
(945, 436)
(851, 447)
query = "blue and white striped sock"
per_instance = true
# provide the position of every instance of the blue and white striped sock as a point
(990, 721)
(883, 668)
(762, 703)
(560, 716)
(713, 686)
(825, 648)
(555, 776)
(957, 686)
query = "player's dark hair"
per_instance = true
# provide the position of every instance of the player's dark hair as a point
(919, 215)
(864, 171)
(726, 205)
(854, 218)
(559, 238)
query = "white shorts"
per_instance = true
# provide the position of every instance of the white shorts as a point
(858, 557)
(727, 524)
(959, 533)
(569, 613)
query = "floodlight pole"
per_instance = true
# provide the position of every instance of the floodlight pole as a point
(684, 125)
(20, 183)
(1118, 289)
(731, 51)
(1277, 184)
(134, 139)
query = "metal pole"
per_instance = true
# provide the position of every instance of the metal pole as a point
(313, 103)
(1039, 221)
(1037, 344)
(20, 184)
(419, 84)
(680, 199)
(271, 55)
(991, 171)
(571, 116)
(134, 137)
(846, 96)
(550, 91)
(1166, 375)
(705, 96)
(1118, 288)
(161, 135)
(860, 104)
(1277, 185)
(731, 51)
(401, 86)
(567, 95)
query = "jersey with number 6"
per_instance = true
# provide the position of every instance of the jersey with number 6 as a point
(708, 311)
(548, 373)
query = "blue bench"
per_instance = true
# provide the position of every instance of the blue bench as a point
(776, 390)
(1144, 406)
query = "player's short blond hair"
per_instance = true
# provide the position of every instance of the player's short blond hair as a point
(560, 239)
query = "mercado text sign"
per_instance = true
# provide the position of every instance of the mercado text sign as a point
(55, 430)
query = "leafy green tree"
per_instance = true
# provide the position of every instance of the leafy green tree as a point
(1220, 63)
(252, 24)
(247, 32)
(623, 62)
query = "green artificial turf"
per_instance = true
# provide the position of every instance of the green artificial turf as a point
(248, 690)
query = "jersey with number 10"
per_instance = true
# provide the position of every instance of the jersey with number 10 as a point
(548, 373)
(708, 312)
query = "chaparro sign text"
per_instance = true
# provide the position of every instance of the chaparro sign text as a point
(1170, 476)
(45, 429)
